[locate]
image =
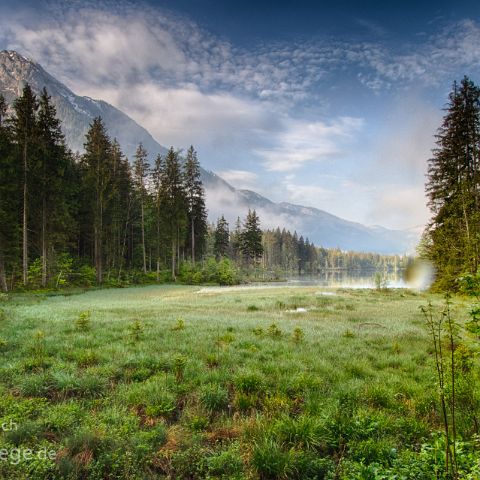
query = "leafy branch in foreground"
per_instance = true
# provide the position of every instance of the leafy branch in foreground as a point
(454, 362)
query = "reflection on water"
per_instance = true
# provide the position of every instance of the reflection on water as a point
(349, 279)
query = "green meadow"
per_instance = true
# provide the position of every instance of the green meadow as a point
(224, 383)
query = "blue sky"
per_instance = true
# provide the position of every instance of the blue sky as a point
(327, 104)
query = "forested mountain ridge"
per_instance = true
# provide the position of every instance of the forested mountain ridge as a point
(76, 113)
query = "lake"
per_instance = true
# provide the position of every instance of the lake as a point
(348, 279)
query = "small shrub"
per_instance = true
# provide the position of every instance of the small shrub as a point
(86, 276)
(87, 358)
(252, 308)
(245, 401)
(83, 323)
(348, 334)
(179, 368)
(298, 335)
(163, 407)
(274, 331)
(226, 339)
(198, 423)
(258, 331)
(212, 361)
(180, 325)
(136, 329)
(274, 404)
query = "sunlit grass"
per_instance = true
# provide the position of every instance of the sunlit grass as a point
(163, 379)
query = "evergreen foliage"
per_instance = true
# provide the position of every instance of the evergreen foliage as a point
(140, 175)
(25, 140)
(173, 205)
(10, 184)
(97, 219)
(452, 238)
(196, 210)
(251, 238)
(90, 218)
(97, 176)
(222, 238)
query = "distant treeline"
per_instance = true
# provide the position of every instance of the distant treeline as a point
(99, 219)
(289, 252)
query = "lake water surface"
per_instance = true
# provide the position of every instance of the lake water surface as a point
(349, 279)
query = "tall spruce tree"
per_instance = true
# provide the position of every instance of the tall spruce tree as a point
(119, 210)
(173, 206)
(195, 198)
(235, 240)
(157, 176)
(10, 177)
(140, 175)
(24, 126)
(251, 238)
(453, 187)
(97, 177)
(54, 164)
(222, 238)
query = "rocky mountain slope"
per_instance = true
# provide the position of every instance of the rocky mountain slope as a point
(77, 112)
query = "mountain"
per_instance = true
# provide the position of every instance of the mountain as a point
(76, 114)
(321, 227)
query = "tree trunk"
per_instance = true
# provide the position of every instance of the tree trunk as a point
(3, 277)
(178, 246)
(44, 243)
(473, 260)
(143, 240)
(193, 241)
(25, 217)
(98, 242)
(174, 253)
(158, 247)
(124, 244)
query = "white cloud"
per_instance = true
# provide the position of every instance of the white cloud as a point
(188, 87)
(216, 122)
(304, 142)
(309, 195)
(397, 206)
(221, 202)
(239, 178)
(113, 43)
